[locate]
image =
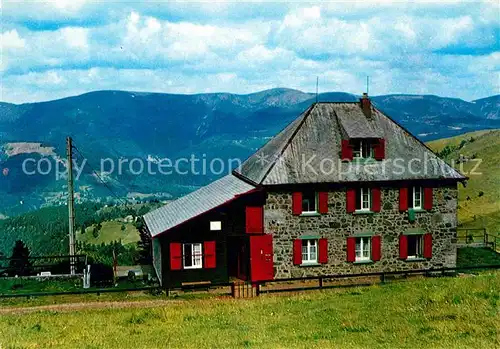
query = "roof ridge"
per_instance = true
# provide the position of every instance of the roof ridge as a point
(289, 140)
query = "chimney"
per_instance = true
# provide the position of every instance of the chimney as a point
(366, 105)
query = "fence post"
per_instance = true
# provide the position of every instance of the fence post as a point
(382, 278)
(320, 282)
(233, 290)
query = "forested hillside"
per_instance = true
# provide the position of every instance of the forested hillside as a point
(45, 231)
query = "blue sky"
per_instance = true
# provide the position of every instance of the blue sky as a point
(54, 49)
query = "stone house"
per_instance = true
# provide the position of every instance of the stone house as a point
(342, 189)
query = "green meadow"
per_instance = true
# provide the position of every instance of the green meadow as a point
(448, 312)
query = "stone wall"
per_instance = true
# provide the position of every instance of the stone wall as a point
(337, 225)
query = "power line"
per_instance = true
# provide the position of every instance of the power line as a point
(100, 178)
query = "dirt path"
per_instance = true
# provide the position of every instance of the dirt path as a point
(88, 305)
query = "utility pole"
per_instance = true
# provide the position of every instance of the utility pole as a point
(71, 205)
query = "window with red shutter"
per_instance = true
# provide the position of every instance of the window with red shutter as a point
(254, 219)
(428, 200)
(351, 249)
(427, 246)
(351, 200)
(379, 150)
(175, 256)
(376, 200)
(403, 199)
(376, 248)
(297, 251)
(323, 251)
(297, 203)
(323, 202)
(346, 153)
(403, 246)
(209, 254)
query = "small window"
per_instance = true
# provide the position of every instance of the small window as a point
(362, 149)
(192, 256)
(415, 246)
(309, 251)
(363, 248)
(363, 199)
(215, 225)
(416, 195)
(309, 202)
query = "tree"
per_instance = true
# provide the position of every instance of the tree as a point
(144, 256)
(19, 261)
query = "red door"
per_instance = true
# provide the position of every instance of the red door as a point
(261, 257)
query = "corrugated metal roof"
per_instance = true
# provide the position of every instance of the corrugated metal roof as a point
(200, 201)
(318, 137)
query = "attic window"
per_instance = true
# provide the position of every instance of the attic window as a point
(362, 149)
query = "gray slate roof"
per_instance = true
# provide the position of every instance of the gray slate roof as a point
(298, 153)
(200, 201)
(355, 124)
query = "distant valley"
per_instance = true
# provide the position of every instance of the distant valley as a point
(126, 125)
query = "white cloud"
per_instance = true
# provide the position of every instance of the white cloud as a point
(137, 46)
(75, 37)
(11, 40)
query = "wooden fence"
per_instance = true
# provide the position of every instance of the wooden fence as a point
(478, 237)
(247, 290)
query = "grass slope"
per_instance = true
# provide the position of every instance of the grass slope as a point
(479, 201)
(110, 231)
(438, 313)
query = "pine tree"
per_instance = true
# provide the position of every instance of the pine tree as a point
(144, 256)
(19, 262)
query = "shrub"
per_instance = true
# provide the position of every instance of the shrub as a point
(481, 193)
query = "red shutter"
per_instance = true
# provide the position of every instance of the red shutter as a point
(376, 248)
(175, 256)
(379, 150)
(403, 247)
(351, 249)
(323, 202)
(323, 251)
(346, 150)
(351, 200)
(427, 245)
(376, 199)
(297, 203)
(209, 254)
(297, 251)
(427, 198)
(403, 199)
(254, 219)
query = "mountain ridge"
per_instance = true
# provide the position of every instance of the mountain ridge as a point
(123, 124)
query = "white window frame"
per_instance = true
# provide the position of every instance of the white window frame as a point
(315, 204)
(358, 153)
(310, 246)
(196, 257)
(419, 248)
(418, 190)
(363, 241)
(215, 225)
(368, 192)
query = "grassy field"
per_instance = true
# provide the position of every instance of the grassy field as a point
(461, 312)
(479, 201)
(110, 231)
